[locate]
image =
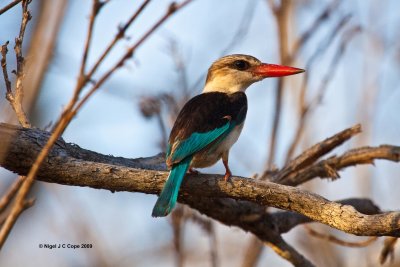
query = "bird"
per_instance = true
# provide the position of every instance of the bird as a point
(210, 123)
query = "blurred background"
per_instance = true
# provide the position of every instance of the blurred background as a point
(350, 50)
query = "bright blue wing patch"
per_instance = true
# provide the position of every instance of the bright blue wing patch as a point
(233, 123)
(195, 143)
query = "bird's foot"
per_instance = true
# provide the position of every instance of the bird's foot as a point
(193, 171)
(228, 172)
(228, 175)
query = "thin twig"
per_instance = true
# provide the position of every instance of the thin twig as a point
(9, 6)
(286, 251)
(237, 38)
(242, 30)
(312, 154)
(180, 67)
(43, 39)
(96, 6)
(327, 40)
(338, 241)
(83, 78)
(213, 245)
(15, 98)
(67, 115)
(306, 108)
(171, 10)
(121, 33)
(388, 249)
(329, 168)
(177, 222)
(281, 15)
(208, 226)
(16, 102)
(312, 30)
(253, 252)
(8, 196)
(273, 6)
(4, 51)
(26, 205)
(282, 20)
(163, 130)
(347, 37)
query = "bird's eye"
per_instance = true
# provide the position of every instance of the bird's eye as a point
(241, 64)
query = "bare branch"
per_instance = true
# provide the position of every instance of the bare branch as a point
(9, 6)
(318, 22)
(327, 41)
(338, 241)
(171, 10)
(312, 154)
(273, 6)
(242, 29)
(42, 42)
(26, 143)
(15, 98)
(19, 92)
(253, 252)
(120, 34)
(346, 38)
(69, 112)
(177, 220)
(96, 6)
(26, 205)
(4, 51)
(305, 109)
(287, 252)
(328, 168)
(16, 103)
(282, 19)
(8, 196)
(388, 249)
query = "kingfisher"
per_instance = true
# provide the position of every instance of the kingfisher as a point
(211, 122)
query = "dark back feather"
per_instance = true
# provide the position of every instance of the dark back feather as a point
(206, 112)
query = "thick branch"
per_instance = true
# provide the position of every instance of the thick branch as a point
(70, 165)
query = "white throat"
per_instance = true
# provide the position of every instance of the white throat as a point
(224, 86)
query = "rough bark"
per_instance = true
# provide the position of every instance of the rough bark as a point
(239, 202)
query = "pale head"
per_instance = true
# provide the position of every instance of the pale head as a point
(236, 73)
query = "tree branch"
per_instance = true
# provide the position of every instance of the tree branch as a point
(388, 249)
(329, 168)
(71, 165)
(9, 6)
(312, 154)
(338, 241)
(286, 251)
(69, 112)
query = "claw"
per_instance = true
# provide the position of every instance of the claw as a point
(228, 175)
(193, 171)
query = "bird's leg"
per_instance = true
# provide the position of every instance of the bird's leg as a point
(228, 172)
(193, 171)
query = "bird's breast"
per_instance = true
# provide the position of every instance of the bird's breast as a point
(232, 137)
(213, 153)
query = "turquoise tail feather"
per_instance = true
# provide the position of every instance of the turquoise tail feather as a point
(167, 199)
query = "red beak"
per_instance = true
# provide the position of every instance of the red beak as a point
(272, 70)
